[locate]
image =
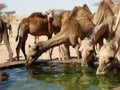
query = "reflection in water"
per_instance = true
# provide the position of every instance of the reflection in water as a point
(58, 77)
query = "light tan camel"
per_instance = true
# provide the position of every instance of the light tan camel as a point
(110, 49)
(103, 20)
(106, 56)
(4, 36)
(35, 26)
(71, 30)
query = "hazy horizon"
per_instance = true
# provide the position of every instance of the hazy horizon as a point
(28, 6)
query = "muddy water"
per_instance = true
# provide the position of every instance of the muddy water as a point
(58, 77)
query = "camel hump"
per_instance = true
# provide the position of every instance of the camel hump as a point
(37, 14)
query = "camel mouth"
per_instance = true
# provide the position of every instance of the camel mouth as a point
(101, 70)
(100, 73)
(29, 63)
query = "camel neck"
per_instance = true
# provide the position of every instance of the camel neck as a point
(55, 41)
(50, 25)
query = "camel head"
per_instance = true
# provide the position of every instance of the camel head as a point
(81, 13)
(50, 14)
(86, 50)
(106, 56)
(58, 20)
(32, 54)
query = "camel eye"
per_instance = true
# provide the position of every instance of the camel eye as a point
(91, 51)
(111, 58)
(33, 56)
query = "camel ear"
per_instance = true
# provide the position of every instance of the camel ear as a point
(79, 40)
(116, 45)
(104, 41)
(97, 48)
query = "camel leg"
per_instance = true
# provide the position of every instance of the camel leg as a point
(77, 51)
(7, 43)
(18, 47)
(23, 48)
(66, 51)
(50, 50)
(50, 53)
(10, 33)
(0, 38)
(61, 53)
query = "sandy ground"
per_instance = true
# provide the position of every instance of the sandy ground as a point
(30, 41)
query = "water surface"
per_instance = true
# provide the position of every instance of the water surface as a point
(58, 77)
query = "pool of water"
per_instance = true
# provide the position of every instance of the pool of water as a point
(58, 77)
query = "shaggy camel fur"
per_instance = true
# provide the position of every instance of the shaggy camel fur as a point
(110, 48)
(4, 36)
(35, 26)
(106, 56)
(71, 30)
(103, 29)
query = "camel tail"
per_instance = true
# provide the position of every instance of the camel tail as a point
(18, 33)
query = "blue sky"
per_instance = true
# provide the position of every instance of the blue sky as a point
(23, 7)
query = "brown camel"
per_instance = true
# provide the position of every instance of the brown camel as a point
(56, 24)
(103, 29)
(37, 14)
(40, 15)
(35, 26)
(4, 36)
(71, 30)
(84, 17)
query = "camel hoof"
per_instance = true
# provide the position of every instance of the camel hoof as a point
(10, 60)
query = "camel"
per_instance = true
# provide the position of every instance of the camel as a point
(37, 14)
(106, 56)
(40, 15)
(71, 30)
(84, 17)
(4, 36)
(35, 26)
(56, 24)
(110, 49)
(61, 18)
(103, 20)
